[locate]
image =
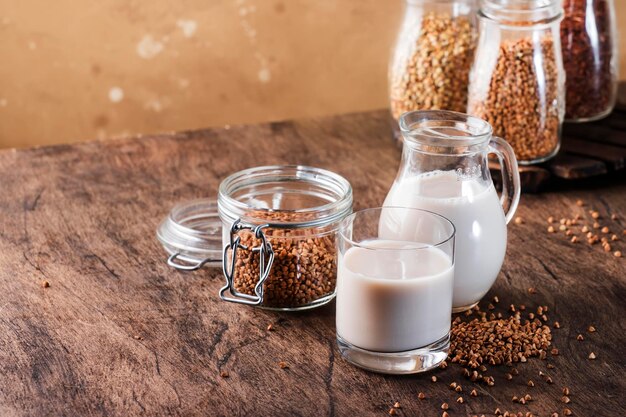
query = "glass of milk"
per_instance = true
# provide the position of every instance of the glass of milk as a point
(395, 276)
(445, 169)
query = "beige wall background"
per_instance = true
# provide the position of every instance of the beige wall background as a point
(77, 70)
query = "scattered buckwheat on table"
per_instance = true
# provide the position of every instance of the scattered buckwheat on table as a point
(591, 231)
(487, 341)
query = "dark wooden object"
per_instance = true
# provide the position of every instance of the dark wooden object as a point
(587, 150)
(118, 332)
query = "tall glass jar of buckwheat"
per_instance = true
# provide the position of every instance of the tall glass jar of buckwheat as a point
(517, 81)
(432, 56)
(591, 59)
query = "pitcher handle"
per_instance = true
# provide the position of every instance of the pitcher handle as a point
(511, 188)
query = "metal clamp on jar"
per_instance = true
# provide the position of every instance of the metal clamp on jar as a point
(266, 258)
(279, 227)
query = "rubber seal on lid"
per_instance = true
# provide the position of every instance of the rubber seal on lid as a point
(192, 235)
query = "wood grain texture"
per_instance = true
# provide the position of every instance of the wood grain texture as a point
(600, 132)
(569, 166)
(120, 333)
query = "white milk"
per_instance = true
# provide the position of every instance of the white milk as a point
(477, 215)
(393, 301)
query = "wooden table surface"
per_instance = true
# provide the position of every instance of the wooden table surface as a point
(118, 332)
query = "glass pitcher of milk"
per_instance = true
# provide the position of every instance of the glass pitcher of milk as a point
(444, 169)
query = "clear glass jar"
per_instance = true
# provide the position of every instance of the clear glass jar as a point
(517, 82)
(432, 56)
(279, 227)
(590, 58)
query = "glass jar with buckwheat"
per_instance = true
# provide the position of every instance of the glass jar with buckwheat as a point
(517, 81)
(432, 56)
(590, 56)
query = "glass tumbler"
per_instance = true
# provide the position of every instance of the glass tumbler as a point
(395, 278)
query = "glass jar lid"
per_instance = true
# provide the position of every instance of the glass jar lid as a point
(285, 196)
(521, 12)
(192, 235)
